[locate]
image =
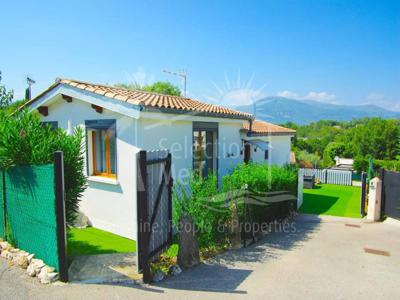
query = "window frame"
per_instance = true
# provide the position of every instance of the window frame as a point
(93, 128)
(206, 127)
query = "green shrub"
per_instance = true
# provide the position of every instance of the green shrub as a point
(261, 178)
(332, 150)
(309, 159)
(360, 163)
(390, 165)
(25, 141)
(201, 200)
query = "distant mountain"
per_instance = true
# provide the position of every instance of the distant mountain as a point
(281, 110)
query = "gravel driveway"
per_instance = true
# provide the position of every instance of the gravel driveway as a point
(323, 258)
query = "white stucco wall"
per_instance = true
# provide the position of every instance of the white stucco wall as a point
(111, 207)
(279, 149)
(165, 131)
(230, 147)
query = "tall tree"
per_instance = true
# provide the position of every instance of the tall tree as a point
(5, 96)
(376, 137)
(160, 87)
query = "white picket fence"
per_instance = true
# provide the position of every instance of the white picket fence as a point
(331, 176)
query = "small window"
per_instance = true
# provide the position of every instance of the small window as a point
(102, 149)
(266, 154)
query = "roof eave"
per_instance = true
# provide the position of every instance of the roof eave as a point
(259, 134)
(197, 113)
(111, 104)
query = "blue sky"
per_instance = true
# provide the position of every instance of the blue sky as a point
(234, 52)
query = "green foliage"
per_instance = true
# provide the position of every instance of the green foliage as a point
(211, 208)
(5, 95)
(160, 87)
(309, 159)
(359, 139)
(314, 137)
(390, 165)
(360, 163)
(201, 200)
(163, 87)
(14, 106)
(332, 150)
(261, 178)
(25, 141)
(375, 137)
(257, 180)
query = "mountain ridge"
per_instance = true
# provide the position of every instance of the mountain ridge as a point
(281, 110)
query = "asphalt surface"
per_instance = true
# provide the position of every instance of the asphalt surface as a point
(315, 259)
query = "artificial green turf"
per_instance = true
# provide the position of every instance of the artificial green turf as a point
(89, 241)
(334, 200)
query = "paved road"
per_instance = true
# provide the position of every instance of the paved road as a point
(322, 259)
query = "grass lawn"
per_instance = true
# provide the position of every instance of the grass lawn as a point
(331, 199)
(91, 240)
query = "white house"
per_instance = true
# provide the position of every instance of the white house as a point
(119, 123)
(266, 142)
(344, 163)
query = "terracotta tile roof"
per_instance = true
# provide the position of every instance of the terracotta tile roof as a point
(262, 127)
(152, 100)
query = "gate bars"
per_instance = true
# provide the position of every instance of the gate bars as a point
(148, 210)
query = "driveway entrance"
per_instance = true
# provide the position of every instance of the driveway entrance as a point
(323, 257)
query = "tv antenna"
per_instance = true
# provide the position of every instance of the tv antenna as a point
(181, 74)
(30, 82)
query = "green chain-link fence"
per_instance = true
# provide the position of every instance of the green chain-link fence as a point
(30, 219)
(2, 233)
(32, 214)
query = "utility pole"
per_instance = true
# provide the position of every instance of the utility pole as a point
(28, 92)
(181, 74)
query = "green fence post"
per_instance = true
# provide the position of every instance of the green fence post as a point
(60, 214)
(3, 191)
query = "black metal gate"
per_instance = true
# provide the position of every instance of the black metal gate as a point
(364, 195)
(391, 194)
(154, 207)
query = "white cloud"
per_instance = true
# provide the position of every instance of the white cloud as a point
(321, 96)
(316, 96)
(288, 94)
